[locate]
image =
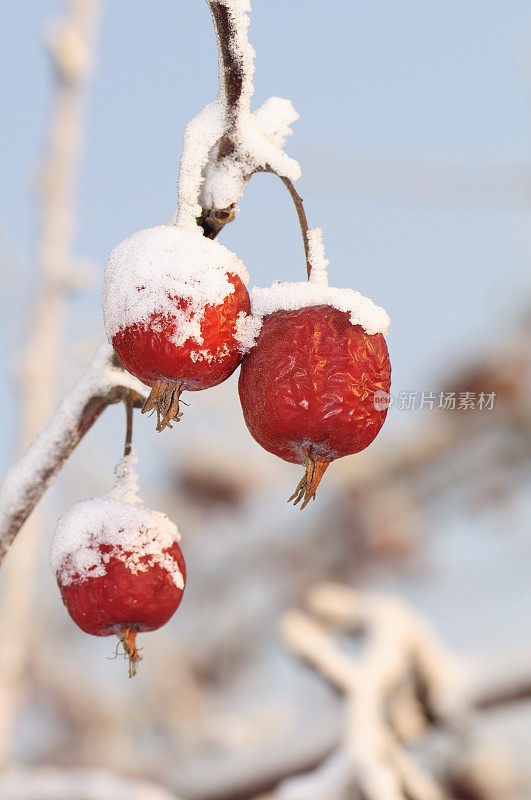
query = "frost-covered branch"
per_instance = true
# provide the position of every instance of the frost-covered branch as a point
(102, 383)
(400, 661)
(236, 65)
(227, 142)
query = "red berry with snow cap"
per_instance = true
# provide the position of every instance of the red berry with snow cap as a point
(171, 301)
(307, 386)
(118, 565)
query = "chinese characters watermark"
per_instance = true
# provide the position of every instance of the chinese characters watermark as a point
(445, 401)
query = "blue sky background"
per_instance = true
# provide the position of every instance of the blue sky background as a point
(419, 82)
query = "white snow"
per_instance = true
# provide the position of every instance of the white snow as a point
(275, 117)
(248, 327)
(292, 296)
(242, 51)
(118, 519)
(150, 268)
(200, 136)
(26, 481)
(258, 137)
(225, 180)
(316, 257)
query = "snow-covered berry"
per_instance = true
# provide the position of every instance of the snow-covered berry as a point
(118, 565)
(171, 299)
(307, 386)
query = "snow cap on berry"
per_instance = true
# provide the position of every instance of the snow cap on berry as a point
(293, 296)
(133, 534)
(150, 268)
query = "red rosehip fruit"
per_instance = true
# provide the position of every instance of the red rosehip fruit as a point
(307, 387)
(171, 302)
(119, 568)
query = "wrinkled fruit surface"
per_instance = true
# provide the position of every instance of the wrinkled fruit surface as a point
(307, 388)
(148, 350)
(121, 599)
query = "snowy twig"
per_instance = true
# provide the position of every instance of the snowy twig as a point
(236, 66)
(236, 69)
(397, 648)
(102, 383)
(226, 143)
(240, 149)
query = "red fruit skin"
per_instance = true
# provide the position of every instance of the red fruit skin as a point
(119, 599)
(146, 349)
(307, 386)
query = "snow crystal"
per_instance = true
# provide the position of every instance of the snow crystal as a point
(208, 356)
(200, 136)
(292, 296)
(275, 117)
(316, 257)
(256, 149)
(152, 266)
(242, 51)
(205, 181)
(136, 535)
(125, 487)
(248, 327)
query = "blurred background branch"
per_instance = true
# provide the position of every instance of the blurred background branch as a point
(71, 45)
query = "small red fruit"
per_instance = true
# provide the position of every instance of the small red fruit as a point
(307, 387)
(171, 302)
(119, 568)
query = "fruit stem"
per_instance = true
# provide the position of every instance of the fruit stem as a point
(303, 222)
(307, 487)
(164, 399)
(127, 638)
(301, 214)
(129, 404)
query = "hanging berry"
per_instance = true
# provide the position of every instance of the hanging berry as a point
(171, 299)
(118, 565)
(317, 357)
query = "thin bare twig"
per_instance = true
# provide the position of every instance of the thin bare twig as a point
(301, 214)
(303, 222)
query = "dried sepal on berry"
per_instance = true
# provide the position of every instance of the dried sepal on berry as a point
(118, 565)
